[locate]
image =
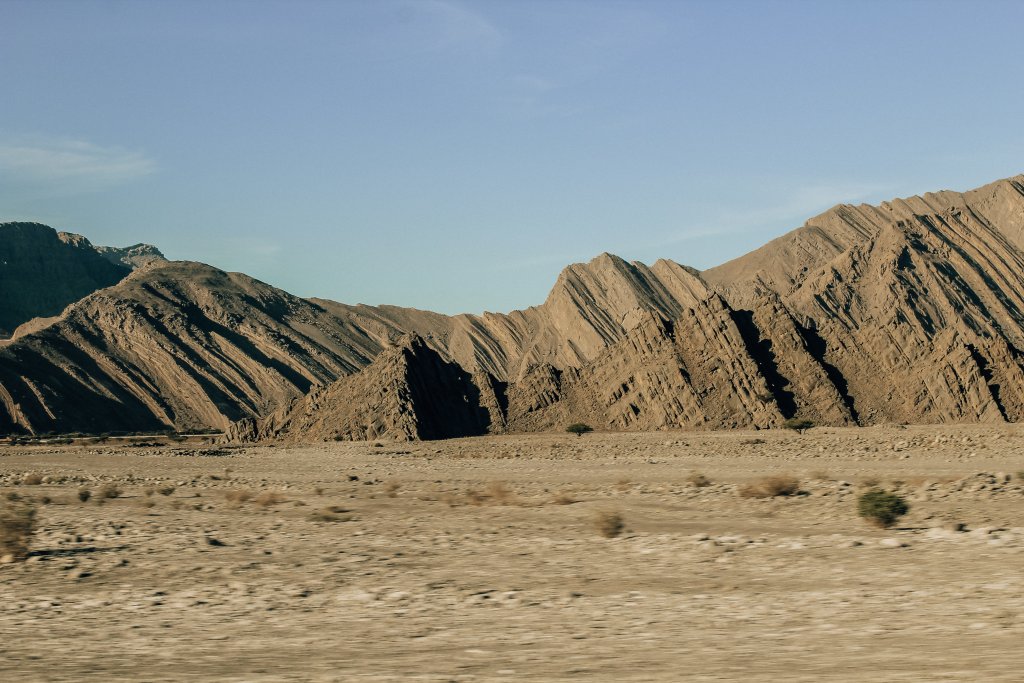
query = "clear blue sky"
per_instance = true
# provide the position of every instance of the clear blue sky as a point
(455, 155)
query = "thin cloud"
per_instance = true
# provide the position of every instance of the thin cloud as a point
(445, 25)
(66, 166)
(792, 212)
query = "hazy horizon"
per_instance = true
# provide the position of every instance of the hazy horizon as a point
(455, 156)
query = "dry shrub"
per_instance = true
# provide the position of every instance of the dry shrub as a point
(238, 496)
(496, 493)
(870, 482)
(499, 494)
(319, 490)
(609, 524)
(109, 490)
(33, 479)
(563, 498)
(881, 508)
(770, 487)
(698, 480)
(392, 489)
(331, 513)
(17, 524)
(166, 490)
(84, 495)
(149, 491)
(821, 475)
(269, 498)
(147, 503)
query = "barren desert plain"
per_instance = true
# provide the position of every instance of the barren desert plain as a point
(482, 559)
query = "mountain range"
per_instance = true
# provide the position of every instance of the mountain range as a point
(910, 311)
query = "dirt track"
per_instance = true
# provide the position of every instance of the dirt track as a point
(479, 559)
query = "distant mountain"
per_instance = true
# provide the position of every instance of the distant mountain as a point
(912, 311)
(42, 271)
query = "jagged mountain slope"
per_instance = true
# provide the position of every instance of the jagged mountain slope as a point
(909, 312)
(782, 264)
(180, 345)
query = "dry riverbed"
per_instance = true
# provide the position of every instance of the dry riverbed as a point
(481, 560)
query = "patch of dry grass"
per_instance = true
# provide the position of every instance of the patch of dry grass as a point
(33, 479)
(109, 490)
(698, 480)
(238, 496)
(269, 498)
(610, 524)
(771, 487)
(331, 513)
(17, 524)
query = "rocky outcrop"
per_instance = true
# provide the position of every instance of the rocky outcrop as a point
(408, 392)
(135, 256)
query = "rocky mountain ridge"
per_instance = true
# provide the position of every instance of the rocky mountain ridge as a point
(912, 311)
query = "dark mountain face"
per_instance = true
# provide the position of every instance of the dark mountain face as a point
(41, 273)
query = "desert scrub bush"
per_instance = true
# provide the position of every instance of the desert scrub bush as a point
(331, 513)
(109, 491)
(698, 480)
(17, 524)
(238, 496)
(771, 487)
(579, 428)
(166, 490)
(33, 479)
(798, 425)
(563, 498)
(84, 495)
(269, 498)
(881, 508)
(609, 524)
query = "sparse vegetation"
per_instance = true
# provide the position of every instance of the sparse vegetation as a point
(331, 513)
(799, 425)
(392, 489)
(579, 429)
(881, 508)
(109, 490)
(238, 496)
(84, 495)
(771, 487)
(17, 524)
(609, 524)
(33, 479)
(166, 490)
(563, 498)
(698, 480)
(269, 498)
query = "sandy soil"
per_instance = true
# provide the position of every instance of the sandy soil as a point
(480, 560)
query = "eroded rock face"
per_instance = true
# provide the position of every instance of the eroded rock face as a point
(408, 392)
(177, 345)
